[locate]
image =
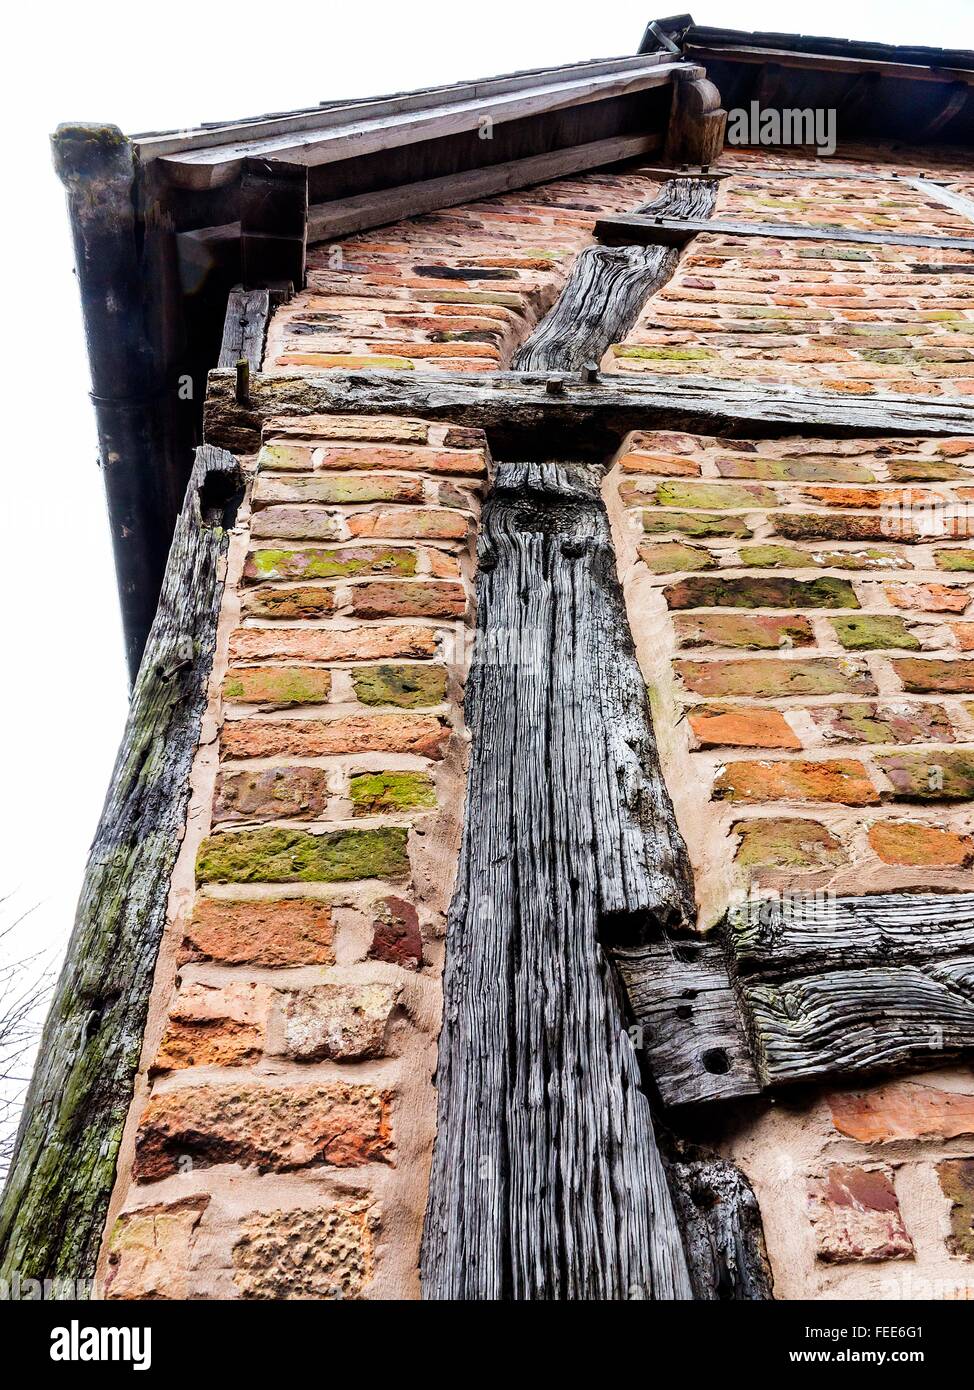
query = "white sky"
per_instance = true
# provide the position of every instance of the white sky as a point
(62, 698)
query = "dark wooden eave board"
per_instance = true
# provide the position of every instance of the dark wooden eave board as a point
(741, 43)
(631, 228)
(343, 216)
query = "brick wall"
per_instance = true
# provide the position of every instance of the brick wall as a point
(281, 1139)
(837, 316)
(457, 290)
(801, 611)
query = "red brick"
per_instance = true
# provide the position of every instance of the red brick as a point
(318, 738)
(856, 1216)
(912, 843)
(273, 793)
(841, 780)
(278, 1128)
(902, 1110)
(714, 726)
(268, 932)
(431, 599)
(333, 644)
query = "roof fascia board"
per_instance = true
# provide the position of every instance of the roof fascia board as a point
(822, 62)
(157, 145)
(213, 167)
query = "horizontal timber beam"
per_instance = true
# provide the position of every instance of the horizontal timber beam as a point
(587, 418)
(631, 228)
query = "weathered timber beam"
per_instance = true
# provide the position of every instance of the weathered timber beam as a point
(547, 1182)
(775, 940)
(851, 986)
(54, 1204)
(582, 419)
(846, 1023)
(722, 1232)
(245, 328)
(607, 288)
(144, 434)
(630, 228)
(690, 1029)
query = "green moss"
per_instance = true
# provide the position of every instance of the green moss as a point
(409, 687)
(959, 559)
(714, 495)
(662, 354)
(870, 632)
(373, 792)
(669, 557)
(331, 563)
(296, 856)
(695, 523)
(294, 685)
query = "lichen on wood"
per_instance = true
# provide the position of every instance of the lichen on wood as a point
(63, 1169)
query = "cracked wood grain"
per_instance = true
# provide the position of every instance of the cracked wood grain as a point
(547, 1182)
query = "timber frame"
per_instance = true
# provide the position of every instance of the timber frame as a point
(198, 236)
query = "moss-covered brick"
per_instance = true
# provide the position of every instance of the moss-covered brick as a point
(795, 470)
(660, 354)
(285, 458)
(409, 687)
(871, 632)
(769, 677)
(332, 563)
(756, 630)
(790, 557)
(670, 557)
(337, 489)
(956, 558)
(296, 856)
(911, 843)
(897, 721)
(957, 1182)
(942, 774)
(374, 792)
(841, 780)
(935, 677)
(310, 602)
(277, 685)
(694, 523)
(804, 845)
(714, 496)
(347, 361)
(711, 591)
(840, 526)
(925, 471)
